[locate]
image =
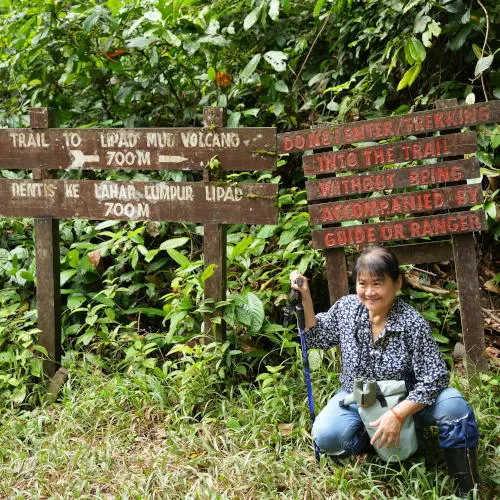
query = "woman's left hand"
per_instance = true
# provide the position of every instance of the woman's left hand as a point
(388, 431)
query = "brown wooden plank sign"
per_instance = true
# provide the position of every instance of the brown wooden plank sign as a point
(212, 202)
(409, 124)
(237, 149)
(393, 179)
(224, 203)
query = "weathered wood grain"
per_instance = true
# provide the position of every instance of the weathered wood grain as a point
(403, 229)
(224, 203)
(394, 178)
(385, 154)
(236, 149)
(377, 129)
(421, 201)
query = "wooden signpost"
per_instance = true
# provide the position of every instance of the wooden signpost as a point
(417, 195)
(138, 149)
(213, 202)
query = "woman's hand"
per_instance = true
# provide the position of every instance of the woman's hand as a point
(388, 431)
(304, 287)
(305, 294)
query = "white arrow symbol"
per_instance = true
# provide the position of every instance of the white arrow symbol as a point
(171, 159)
(79, 158)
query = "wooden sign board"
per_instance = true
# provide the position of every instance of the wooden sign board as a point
(397, 152)
(173, 201)
(394, 178)
(429, 200)
(238, 149)
(418, 123)
(404, 229)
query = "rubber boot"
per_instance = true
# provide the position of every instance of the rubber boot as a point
(462, 465)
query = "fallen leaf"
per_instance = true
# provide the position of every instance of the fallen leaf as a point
(95, 258)
(492, 286)
(285, 429)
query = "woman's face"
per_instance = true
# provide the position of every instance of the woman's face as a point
(377, 293)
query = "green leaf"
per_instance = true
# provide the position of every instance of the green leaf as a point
(250, 68)
(478, 51)
(251, 19)
(140, 42)
(414, 51)
(26, 275)
(233, 423)
(241, 246)
(274, 9)
(211, 73)
(281, 86)
(75, 300)
(318, 7)
(440, 338)
(172, 39)
(73, 257)
(234, 120)
(173, 243)
(421, 23)
(483, 64)
(276, 59)
(92, 19)
(134, 258)
(208, 272)
(106, 224)
(457, 42)
(495, 137)
(114, 6)
(66, 275)
(181, 259)
(19, 395)
(491, 209)
(485, 158)
(153, 15)
(266, 231)
(151, 254)
(278, 108)
(409, 77)
(315, 358)
(256, 310)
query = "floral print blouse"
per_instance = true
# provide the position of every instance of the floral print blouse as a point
(405, 350)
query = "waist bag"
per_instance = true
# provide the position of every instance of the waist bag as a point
(374, 399)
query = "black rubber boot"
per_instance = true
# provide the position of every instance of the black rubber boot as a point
(462, 465)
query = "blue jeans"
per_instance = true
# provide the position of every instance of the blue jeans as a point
(339, 430)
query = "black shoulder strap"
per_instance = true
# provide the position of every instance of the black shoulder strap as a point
(380, 397)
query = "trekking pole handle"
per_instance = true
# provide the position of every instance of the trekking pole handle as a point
(299, 309)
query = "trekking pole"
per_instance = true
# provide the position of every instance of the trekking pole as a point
(296, 300)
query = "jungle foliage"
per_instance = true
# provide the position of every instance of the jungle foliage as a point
(133, 291)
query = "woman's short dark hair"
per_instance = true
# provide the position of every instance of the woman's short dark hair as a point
(377, 261)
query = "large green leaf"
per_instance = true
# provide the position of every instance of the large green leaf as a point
(250, 68)
(255, 309)
(276, 59)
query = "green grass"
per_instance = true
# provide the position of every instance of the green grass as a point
(127, 436)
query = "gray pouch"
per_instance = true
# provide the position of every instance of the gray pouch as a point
(374, 399)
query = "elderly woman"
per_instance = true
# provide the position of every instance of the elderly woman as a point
(383, 338)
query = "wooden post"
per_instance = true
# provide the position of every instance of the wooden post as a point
(47, 267)
(464, 252)
(336, 272)
(470, 306)
(214, 240)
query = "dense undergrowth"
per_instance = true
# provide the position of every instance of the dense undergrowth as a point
(116, 435)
